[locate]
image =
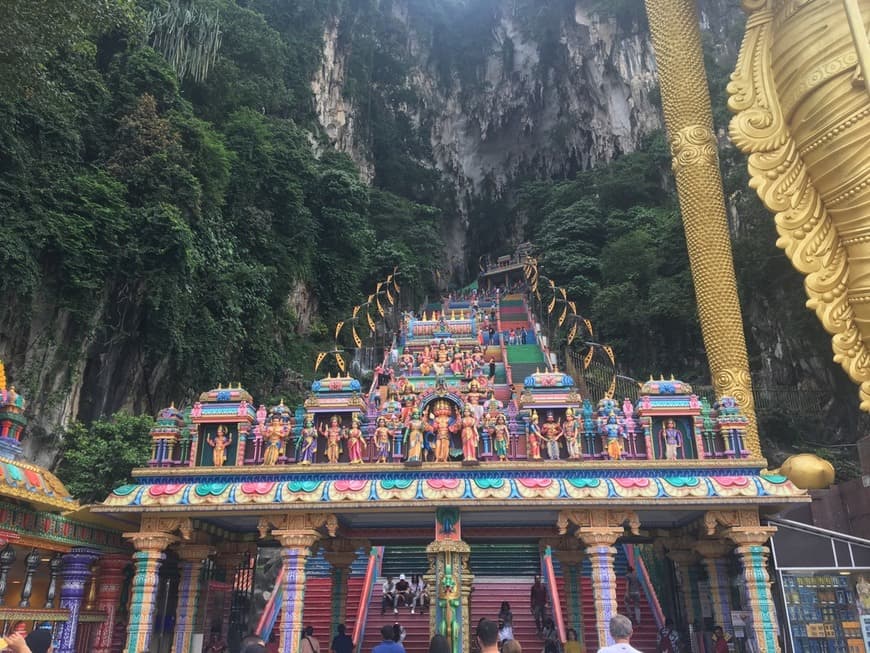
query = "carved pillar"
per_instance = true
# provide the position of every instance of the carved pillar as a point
(54, 566)
(598, 530)
(753, 557)
(341, 554)
(110, 574)
(189, 588)
(572, 571)
(150, 547)
(7, 559)
(296, 533)
(676, 37)
(451, 582)
(713, 554)
(76, 570)
(599, 543)
(31, 564)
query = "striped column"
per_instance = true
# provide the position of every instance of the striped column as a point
(295, 549)
(753, 555)
(341, 562)
(599, 543)
(189, 588)
(110, 580)
(76, 572)
(572, 572)
(149, 556)
(713, 553)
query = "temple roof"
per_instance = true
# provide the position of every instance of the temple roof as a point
(30, 483)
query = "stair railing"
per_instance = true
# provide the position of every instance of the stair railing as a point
(373, 570)
(637, 562)
(545, 350)
(270, 613)
(552, 588)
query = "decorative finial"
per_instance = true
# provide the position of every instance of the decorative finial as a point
(661, 377)
(172, 404)
(2, 377)
(672, 378)
(220, 386)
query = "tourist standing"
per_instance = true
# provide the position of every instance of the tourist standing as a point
(388, 644)
(632, 595)
(668, 638)
(341, 643)
(538, 601)
(310, 643)
(572, 645)
(620, 630)
(387, 590)
(505, 622)
(487, 636)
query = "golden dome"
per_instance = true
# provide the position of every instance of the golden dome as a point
(807, 471)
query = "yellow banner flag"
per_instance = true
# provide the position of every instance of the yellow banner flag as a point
(380, 308)
(356, 310)
(357, 340)
(611, 389)
(564, 293)
(340, 361)
(563, 316)
(587, 361)
(573, 306)
(588, 326)
(389, 297)
(371, 322)
(572, 333)
(552, 284)
(338, 329)
(609, 351)
(319, 360)
(552, 304)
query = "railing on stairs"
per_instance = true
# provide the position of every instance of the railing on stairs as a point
(552, 588)
(373, 570)
(273, 607)
(545, 350)
(636, 561)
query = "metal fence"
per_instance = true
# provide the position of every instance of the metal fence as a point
(598, 378)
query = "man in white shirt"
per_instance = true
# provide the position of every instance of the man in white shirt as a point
(620, 630)
(388, 589)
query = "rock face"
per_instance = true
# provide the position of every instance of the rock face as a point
(495, 91)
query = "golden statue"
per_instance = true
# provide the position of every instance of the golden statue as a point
(801, 94)
(219, 444)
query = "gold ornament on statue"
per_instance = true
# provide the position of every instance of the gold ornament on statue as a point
(802, 101)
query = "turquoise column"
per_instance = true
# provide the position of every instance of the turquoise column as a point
(143, 592)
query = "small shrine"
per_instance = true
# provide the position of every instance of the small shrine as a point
(49, 549)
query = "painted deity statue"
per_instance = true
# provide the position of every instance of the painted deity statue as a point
(409, 401)
(355, 442)
(276, 432)
(219, 444)
(533, 440)
(414, 438)
(671, 440)
(551, 433)
(613, 434)
(334, 434)
(573, 434)
(382, 440)
(470, 435)
(441, 424)
(589, 426)
(306, 444)
(500, 437)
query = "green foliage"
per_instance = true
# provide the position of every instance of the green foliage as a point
(614, 240)
(98, 457)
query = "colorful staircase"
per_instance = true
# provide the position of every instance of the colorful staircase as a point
(503, 572)
(524, 359)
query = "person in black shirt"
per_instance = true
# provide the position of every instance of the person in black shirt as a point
(341, 643)
(403, 591)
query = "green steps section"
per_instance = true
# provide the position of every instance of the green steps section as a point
(521, 370)
(513, 560)
(510, 302)
(525, 354)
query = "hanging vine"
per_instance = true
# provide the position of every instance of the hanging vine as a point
(187, 36)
